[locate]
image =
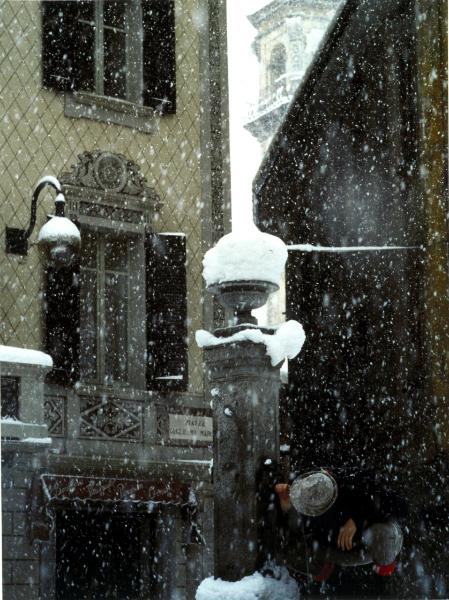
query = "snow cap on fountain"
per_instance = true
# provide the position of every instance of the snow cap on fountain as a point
(245, 256)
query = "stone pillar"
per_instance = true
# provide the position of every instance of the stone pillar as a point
(244, 389)
(24, 445)
(21, 461)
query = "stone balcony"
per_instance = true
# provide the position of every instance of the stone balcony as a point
(264, 118)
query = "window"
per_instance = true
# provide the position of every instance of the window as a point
(115, 57)
(109, 40)
(106, 290)
(277, 67)
(9, 395)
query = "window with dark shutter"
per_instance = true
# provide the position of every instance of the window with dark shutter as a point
(159, 57)
(58, 36)
(117, 49)
(62, 323)
(166, 312)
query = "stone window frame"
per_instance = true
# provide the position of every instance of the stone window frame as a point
(278, 61)
(101, 189)
(136, 315)
(129, 112)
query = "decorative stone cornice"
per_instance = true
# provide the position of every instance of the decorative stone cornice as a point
(283, 8)
(107, 172)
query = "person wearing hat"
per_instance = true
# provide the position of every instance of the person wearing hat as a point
(321, 516)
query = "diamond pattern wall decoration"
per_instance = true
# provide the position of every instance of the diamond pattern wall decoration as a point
(55, 415)
(37, 139)
(111, 419)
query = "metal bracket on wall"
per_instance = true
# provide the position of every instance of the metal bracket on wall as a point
(16, 241)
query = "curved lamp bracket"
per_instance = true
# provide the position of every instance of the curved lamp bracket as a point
(17, 239)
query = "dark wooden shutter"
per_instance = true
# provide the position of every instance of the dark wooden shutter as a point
(159, 55)
(166, 312)
(62, 321)
(58, 36)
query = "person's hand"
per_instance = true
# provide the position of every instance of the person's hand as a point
(283, 491)
(346, 535)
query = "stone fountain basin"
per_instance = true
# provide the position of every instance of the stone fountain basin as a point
(243, 296)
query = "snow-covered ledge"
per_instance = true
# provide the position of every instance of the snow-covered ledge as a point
(286, 342)
(30, 368)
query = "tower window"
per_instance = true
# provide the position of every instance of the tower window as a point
(277, 66)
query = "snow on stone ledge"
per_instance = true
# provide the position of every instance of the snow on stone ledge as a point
(286, 342)
(35, 440)
(245, 256)
(11, 354)
(59, 229)
(253, 587)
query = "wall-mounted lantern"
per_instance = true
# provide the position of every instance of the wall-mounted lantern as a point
(59, 239)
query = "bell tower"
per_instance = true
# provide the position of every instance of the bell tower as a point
(288, 34)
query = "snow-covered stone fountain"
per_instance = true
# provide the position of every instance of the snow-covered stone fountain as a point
(243, 364)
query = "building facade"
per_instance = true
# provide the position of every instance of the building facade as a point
(358, 169)
(106, 478)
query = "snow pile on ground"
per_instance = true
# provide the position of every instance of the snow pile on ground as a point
(286, 342)
(246, 256)
(59, 229)
(253, 587)
(25, 356)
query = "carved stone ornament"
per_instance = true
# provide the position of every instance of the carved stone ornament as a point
(107, 172)
(111, 419)
(55, 415)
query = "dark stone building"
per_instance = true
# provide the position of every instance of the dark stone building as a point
(360, 160)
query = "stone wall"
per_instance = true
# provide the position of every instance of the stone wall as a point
(21, 558)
